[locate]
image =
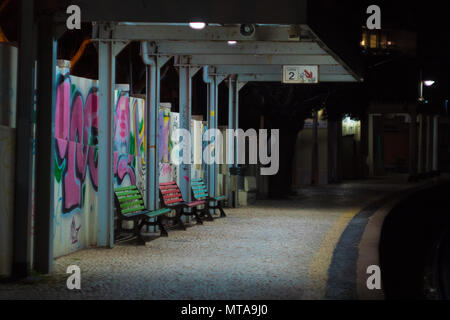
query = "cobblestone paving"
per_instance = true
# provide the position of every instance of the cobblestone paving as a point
(262, 251)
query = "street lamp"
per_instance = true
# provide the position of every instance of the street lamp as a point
(427, 83)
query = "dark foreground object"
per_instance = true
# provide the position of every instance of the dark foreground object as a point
(415, 246)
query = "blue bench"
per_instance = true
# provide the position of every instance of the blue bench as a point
(200, 192)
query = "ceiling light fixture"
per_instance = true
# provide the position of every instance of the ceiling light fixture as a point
(197, 25)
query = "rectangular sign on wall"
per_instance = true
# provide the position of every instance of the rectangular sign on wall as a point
(300, 74)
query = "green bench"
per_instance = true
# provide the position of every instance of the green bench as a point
(130, 207)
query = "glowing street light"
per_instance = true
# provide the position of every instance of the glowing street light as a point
(197, 25)
(427, 83)
(232, 42)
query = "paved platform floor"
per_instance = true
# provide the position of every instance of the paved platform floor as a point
(270, 250)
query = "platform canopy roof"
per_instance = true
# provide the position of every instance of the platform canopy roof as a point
(281, 34)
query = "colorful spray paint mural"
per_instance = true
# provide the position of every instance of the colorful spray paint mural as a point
(76, 162)
(124, 161)
(174, 124)
(137, 135)
(129, 141)
(76, 155)
(204, 145)
(164, 132)
(197, 151)
(168, 123)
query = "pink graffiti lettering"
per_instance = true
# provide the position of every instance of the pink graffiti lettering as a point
(122, 124)
(122, 159)
(76, 130)
(123, 168)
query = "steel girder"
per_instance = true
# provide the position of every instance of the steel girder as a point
(268, 46)
(186, 72)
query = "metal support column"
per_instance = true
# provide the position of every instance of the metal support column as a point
(371, 158)
(186, 72)
(413, 145)
(152, 102)
(435, 142)
(428, 146)
(151, 132)
(106, 77)
(420, 146)
(212, 118)
(45, 146)
(233, 120)
(239, 85)
(315, 151)
(24, 148)
(232, 92)
(334, 137)
(211, 82)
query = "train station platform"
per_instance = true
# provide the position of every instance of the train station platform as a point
(305, 247)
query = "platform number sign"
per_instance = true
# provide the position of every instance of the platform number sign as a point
(300, 74)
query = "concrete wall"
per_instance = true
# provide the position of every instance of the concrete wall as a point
(396, 144)
(334, 151)
(351, 138)
(303, 157)
(349, 157)
(8, 84)
(322, 140)
(7, 151)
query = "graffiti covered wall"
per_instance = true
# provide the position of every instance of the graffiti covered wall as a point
(164, 132)
(137, 109)
(167, 170)
(129, 141)
(76, 160)
(76, 154)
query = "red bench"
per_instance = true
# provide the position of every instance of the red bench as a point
(171, 196)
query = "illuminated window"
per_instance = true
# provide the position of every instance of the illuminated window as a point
(373, 41)
(350, 127)
(363, 42)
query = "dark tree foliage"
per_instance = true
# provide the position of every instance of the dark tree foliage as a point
(285, 107)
